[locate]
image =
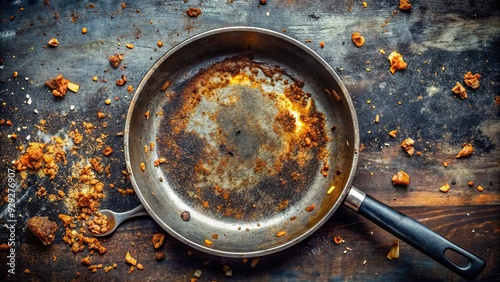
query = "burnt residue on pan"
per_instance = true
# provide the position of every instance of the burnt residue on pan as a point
(241, 140)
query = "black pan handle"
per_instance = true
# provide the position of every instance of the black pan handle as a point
(414, 233)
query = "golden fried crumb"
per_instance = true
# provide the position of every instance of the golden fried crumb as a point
(121, 81)
(401, 178)
(460, 90)
(393, 133)
(66, 219)
(129, 191)
(98, 224)
(407, 145)
(338, 240)
(445, 188)
(396, 61)
(115, 60)
(357, 39)
(472, 80)
(394, 251)
(107, 151)
(466, 151)
(86, 260)
(58, 85)
(130, 260)
(404, 5)
(158, 239)
(53, 42)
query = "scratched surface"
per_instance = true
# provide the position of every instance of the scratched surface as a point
(440, 41)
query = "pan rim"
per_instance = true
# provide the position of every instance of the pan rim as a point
(321, 62)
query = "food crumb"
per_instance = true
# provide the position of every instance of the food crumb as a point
(84, 30)
(480, 188)
(459, 90)
(193, 12)
(338, 240)
(208, 242)
(357, 39)
(330, 190)
(393, 133)
(281, 233)
(396, 61)
(98, 224)
(322, 44)
(86, 261)
(404, 5)
(58, 85)
(53, 42)
(407, 145)
(129, 46)
(466, 151)
(394, 251)
(115, 60)
(445, 188)
(130, 260)
(121, 81)
(157, 240)
(43, 228)
(472, 80)
(310, 208)
(401, 178)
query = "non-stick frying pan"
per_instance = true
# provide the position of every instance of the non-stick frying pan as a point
(241, 142)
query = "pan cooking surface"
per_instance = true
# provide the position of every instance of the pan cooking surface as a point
(235, 126)
(241, 140)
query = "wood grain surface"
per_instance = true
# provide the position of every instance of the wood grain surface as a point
(440, 41)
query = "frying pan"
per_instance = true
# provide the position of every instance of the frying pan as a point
(253, 138)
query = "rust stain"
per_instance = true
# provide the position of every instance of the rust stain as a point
(239, 135)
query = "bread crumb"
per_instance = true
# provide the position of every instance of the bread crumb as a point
(407, 145)
(445, 188)
(58, 85)
(396, 61)
(460, 90)
(401, 178)
(472, 80)
(193, 12)
(404, 5)
(357, 39)
(466, 151)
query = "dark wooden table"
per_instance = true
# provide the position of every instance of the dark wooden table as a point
(440, 41)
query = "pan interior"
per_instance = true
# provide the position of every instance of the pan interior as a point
(242, 139)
